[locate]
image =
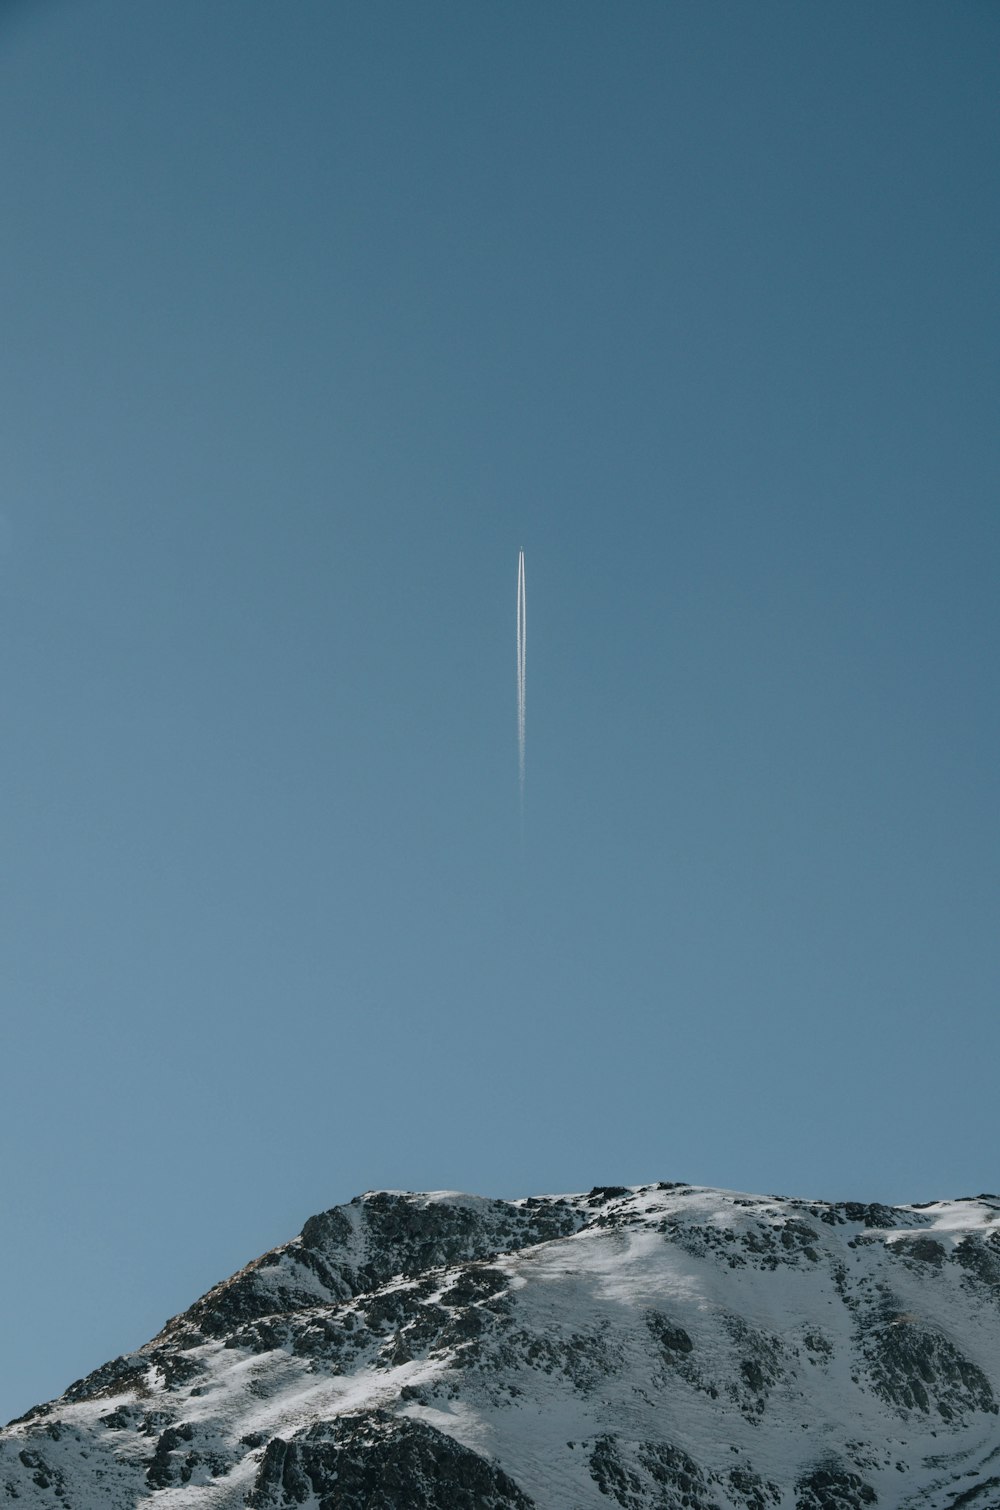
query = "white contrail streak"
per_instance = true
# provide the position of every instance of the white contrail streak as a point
(522, 670)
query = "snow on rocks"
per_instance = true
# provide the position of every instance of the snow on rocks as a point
(659, 1346)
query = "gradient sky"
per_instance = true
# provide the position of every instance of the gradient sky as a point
(313, 314)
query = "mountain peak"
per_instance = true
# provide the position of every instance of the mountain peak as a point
(646, 1346)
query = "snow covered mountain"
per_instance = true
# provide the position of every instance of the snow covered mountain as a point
(659, 1347)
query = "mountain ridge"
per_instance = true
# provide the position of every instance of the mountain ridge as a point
(637, 1347)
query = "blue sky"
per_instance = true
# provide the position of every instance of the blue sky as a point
(313, 316)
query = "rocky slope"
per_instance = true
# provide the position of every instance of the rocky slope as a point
(659, 1347)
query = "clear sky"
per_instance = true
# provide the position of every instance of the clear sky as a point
(313, 315)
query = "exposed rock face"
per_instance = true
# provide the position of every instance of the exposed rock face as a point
(653, 1348)
(383, 1461)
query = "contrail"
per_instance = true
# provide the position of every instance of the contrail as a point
(522, 670)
